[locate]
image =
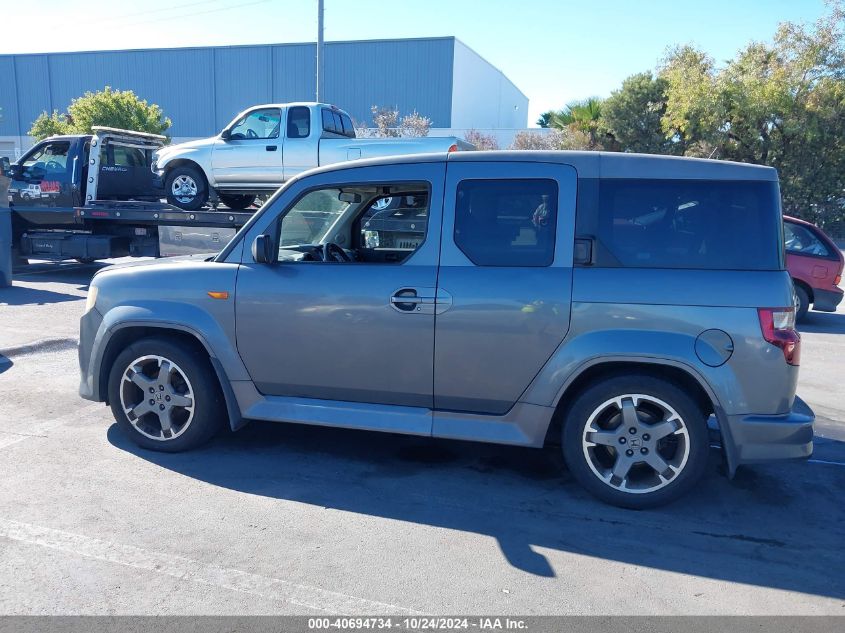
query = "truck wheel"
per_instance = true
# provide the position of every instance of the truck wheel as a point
(236, 202)
(636, 441)
(186, 187)
(165, 396)
(18, 260)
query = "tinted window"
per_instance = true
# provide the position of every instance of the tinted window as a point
(299, 122)
(507, 222)
(727, 225)
(51, 158)
(348, 128)
(328, 121)
(127, 157)
(802, 241)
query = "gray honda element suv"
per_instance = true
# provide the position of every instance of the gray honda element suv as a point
(626, 306)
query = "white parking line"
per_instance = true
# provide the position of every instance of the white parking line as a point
(39, 429)
(196, 571)
(826, 462)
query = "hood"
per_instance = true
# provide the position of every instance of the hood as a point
(161, 262)
(188, 145)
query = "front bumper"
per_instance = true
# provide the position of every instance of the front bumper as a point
(766, 438)
(826, 300)
(89, 325)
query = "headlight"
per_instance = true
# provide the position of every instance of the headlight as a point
(92, 298)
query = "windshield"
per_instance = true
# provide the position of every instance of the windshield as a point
(311, 219)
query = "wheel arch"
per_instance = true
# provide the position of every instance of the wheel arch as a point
(806, 287)
(126, 335)
(186, 162)
(673, 371)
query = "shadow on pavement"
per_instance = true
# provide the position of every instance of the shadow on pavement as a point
(823, 323)
(778, 526)
(5, 363)
(23, 296)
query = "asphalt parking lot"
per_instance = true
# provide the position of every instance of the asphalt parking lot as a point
(280, 519)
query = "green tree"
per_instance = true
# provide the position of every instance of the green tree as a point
(633, 115)
(110, 108)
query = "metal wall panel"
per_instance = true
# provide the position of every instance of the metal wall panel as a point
(201, 89)
(243, 77)
(181, 81)
(406, 74)
(8, 98)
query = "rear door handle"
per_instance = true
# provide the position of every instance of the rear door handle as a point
(271, 148)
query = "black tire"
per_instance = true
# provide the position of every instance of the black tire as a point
(575, 450)
(18, 260)
(194, 175)
(209, 409)
(85, 260)
(803, 303)
(235, 201)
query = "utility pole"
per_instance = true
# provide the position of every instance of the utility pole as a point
(319, 49)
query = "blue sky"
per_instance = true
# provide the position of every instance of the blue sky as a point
(554, 51)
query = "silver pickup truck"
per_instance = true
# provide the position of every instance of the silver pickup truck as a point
(268, 144)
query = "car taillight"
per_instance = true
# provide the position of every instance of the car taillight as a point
(453, 147)
(837, 280)
(778, 326)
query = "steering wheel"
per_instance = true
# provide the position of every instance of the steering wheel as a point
(331, 252)
(53, 165)
(250, 133)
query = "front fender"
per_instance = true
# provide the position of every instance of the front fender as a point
(166, 316)
(200, 156)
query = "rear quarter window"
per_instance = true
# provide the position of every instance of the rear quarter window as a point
(697, 224)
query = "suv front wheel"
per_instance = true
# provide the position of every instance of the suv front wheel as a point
(165, 396)
(636, 441)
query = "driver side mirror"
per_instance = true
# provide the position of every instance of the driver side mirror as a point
(16, 171)
(262, 250)
(226, 134)
(5, 167)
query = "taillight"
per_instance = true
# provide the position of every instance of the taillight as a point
(778, 326)
(453, 148)
(837, 279)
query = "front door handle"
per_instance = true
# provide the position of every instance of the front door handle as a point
(271, 148)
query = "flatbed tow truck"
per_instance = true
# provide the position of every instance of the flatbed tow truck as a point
(94, 196)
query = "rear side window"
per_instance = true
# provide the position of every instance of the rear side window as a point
(801, 241)
(507, 222)
(700, 224)
(299, 122)
(328, 121)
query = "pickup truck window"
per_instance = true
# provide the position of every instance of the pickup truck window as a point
(299, 122)
(507, 222)
(337, 123)
(49, 161)
(257, 124)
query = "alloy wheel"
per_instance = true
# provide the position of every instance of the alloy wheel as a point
(184, 189)
(157, 397)
(636, 443)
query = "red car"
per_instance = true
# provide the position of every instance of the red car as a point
(815, 264)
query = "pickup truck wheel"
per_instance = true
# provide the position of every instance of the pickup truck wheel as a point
(164, 396)
(636, 441)
(186, 188)
(236, 202)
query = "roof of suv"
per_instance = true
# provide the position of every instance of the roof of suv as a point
(596, 164)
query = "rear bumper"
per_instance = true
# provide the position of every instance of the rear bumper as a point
(826, 300)
(766, 438)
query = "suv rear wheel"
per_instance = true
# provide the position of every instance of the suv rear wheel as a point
(165, 396)
(236, 201)
(636, 441)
